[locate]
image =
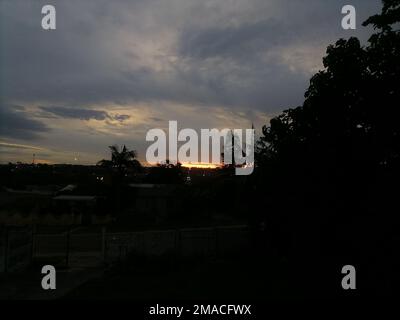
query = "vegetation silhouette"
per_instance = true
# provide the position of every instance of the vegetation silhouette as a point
(121, 159)
(165, 173)
(329, 169)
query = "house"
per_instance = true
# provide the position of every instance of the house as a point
(77, 205)
(155, 201)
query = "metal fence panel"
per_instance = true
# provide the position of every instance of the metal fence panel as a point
(15, 248)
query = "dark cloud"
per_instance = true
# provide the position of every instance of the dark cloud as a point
(155, 119)
(76, 113)
(107, 53)
(239, 41)
(121, 117)
(15, 123)
(81, 113)
(249, 56)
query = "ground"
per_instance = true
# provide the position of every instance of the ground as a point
(192, 280)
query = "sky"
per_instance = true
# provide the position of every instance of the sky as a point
(112, 70)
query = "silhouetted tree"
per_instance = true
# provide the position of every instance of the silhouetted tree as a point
(335, 160)
(121, 159)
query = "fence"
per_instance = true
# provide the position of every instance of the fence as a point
(15, 248)
(93, 249)
(196, 242)
(70, 249)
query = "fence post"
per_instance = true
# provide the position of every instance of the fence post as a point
(216, 242)
(178, 242)
(104, 244)
(6, 250)
(33, 242)
(68, 246)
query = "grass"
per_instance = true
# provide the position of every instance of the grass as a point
(169, 279)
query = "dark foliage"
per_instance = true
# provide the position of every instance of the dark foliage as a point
(329, 169)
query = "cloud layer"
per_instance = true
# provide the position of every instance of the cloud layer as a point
(111, 69)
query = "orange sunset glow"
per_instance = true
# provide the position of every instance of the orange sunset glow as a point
(201, 165)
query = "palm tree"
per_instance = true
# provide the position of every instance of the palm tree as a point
(121, 159)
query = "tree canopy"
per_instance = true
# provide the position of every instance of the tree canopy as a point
(121, 159)
(350, 116)
(327, 171)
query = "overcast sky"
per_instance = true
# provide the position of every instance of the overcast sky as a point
(114, 69)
